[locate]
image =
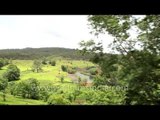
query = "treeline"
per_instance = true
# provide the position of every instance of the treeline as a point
(36, 53)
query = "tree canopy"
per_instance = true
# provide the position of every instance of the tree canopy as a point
(138, 61)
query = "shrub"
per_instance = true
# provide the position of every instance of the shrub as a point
(28, 89)
(44, 94)
(46, 91)
(99, 80)
(64, 68)
(3, 62)
(3, 86)
(71, 70)
(93, 71)
(44, 62)
(53, 63)
(12, 73)
(57, 99)
(70, 96)
(11, 86)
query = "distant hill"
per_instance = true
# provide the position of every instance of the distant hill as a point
(35, 53)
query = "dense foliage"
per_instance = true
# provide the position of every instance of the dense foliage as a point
(69, 69)
(3, 86)
(57, 99)
(3, 62)
(128, 75)
(27, 89)
(137, 65)
(12, 73)
(38, 53)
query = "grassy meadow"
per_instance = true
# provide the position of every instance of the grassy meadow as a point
(49, 76)
(12, 100)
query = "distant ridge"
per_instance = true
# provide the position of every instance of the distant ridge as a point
(34, 48)
(36, 53)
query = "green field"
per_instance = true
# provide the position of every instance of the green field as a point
(11, 100)
(50, 75)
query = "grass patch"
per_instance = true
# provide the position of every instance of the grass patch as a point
(12, 100)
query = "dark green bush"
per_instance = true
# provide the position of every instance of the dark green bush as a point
(93, 71)
(57, 99)
(12, 73)
(64, 68)
(27, 89)
(71, 70)
(53, 63)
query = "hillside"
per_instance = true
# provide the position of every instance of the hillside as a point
(12, 100)
(35, 53)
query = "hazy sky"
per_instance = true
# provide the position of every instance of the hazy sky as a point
(36, 31)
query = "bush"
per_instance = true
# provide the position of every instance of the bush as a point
(64, 68)
(71, 70)
(12, 86)
(57, 99)
(1, 63)
(110, 96)
(53, 63)
(5, 62)
(27, 89)
(44, 62)
(93, 71)
(3, 86)
(46, 91)
(99, 80)
(33, 88)
(44, 94)
(70, 96)
(13, 73)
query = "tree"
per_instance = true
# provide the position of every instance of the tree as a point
(37, 66)
(3, 86)
(12, 73)
(139, 65)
